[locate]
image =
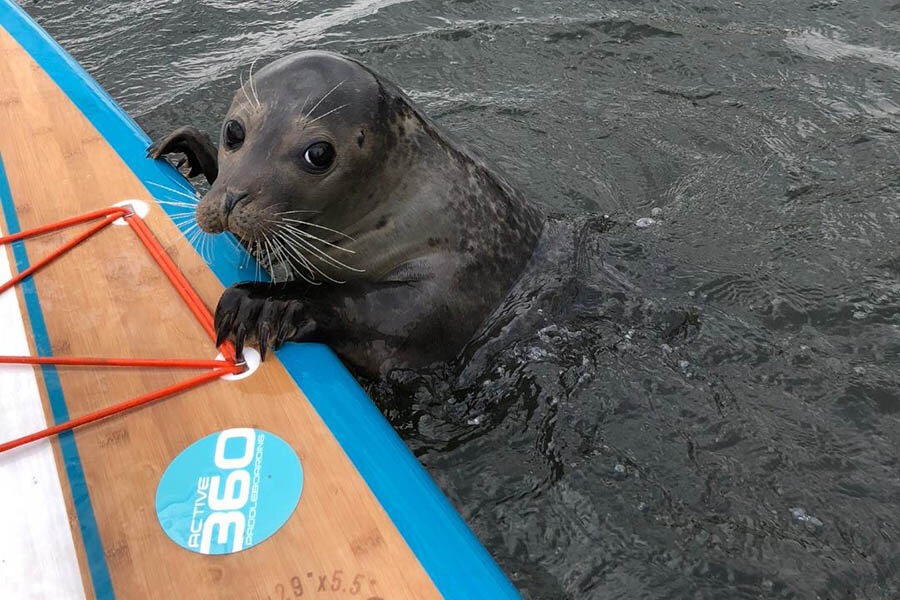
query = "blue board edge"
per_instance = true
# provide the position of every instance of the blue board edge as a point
(457, 563)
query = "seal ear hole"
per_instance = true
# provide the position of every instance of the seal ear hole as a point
(233, 134)
(318, 156)
(362, 137)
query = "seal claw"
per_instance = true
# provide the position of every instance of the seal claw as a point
(263, 337)
(222, 323)
(239, 336)
(200, 154)
(282, 334)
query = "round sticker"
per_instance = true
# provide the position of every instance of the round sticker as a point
(229, 491)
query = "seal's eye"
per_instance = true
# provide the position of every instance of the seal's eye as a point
(318, 156)
(234, 135)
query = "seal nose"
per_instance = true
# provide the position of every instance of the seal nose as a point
(231, 199)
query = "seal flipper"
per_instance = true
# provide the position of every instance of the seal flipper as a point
(198, 149)
(254, 310)
(367, 325)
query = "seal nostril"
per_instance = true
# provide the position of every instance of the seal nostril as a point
(231, 200)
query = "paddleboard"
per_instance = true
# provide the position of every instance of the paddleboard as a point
(285, 482)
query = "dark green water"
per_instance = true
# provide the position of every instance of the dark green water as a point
(727, 424)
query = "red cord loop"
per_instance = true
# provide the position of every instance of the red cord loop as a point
(179, 282)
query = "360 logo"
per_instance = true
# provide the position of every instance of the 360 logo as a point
(229, 491)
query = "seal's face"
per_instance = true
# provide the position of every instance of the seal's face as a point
(300, 146)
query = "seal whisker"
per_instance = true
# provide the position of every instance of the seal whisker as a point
(321, 253)
(283, 261)
(194, 237)
(289, 212)
(320, 227)
(245, 256)
(209, 246)
(273, 258)
(204, 247)
(187, 201)
(309, 235)
(304, 261)
(333, 110)
(194, 196)
(278, 252)
(189, 229)
(276, 259)
(177, 182)
(178, 204)
(305, 102)
(299, 253)
(269, 260)
(322, 99)
(185, 227)
(253, 87)
(199, 247)
(261, 255)
(189, 232)
(246, 95)
(195, 232)
(248, 253)
(257, 258)
(182, 202)
(253, 252)
(231, 243)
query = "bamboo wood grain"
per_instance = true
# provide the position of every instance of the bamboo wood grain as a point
(108, 298)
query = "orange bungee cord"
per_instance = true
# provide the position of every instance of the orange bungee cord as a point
(228, 366)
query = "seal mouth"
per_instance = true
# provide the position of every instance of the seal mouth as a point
(231, 200)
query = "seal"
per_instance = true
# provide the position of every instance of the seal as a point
(384, 238)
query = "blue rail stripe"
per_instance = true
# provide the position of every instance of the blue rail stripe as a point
(450, 553)
(80, 497)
